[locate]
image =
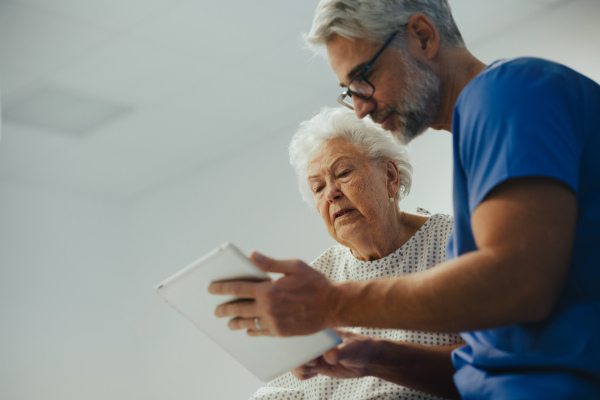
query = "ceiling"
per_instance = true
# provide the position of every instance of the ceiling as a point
(113, 98)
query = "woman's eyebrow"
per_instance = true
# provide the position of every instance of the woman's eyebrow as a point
(340, 159)
(332, 165)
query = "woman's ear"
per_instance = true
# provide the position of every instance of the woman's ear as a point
(422, 36)
(392, 177)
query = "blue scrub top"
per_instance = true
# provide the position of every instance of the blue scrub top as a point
(529, 117)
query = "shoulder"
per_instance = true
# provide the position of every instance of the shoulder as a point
(440, 221)
(519, 70)
(510, 82)
(521, 117)
(437, 227)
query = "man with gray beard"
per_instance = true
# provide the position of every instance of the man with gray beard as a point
(523, 273)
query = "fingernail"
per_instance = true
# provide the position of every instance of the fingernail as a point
(259, 257)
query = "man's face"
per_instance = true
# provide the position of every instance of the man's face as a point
(407, 91)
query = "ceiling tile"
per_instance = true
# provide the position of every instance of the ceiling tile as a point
(222, 34)
(134, 71)
(113, 14)
(14, 79)
(59, 110)
(289, 63)
(304, 10)
(575, 44)
(39, 42)
(479, 20)
(25, 150)
(210, 78)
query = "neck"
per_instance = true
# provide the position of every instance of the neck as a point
(456, 68)
(398, 231)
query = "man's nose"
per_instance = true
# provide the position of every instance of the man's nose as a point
(363, 107)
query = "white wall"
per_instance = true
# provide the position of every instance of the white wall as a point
(63, 334)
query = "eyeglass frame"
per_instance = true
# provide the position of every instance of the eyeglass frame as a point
(361, 74)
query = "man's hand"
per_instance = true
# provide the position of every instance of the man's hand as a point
(301, 302)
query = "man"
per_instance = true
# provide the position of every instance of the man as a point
(522, 282)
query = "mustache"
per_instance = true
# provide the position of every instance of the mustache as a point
(376, 115)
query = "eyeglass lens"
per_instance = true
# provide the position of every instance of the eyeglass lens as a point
(360, 87)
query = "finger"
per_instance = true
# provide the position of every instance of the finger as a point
(269, 264)
(243, 308)
(241, 323)
(308, 370)
(242, 289)
(332, 356)
(256, 333)
(303, 373)
(312, 363)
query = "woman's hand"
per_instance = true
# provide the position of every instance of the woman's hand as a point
(425, 368)
(351, 359)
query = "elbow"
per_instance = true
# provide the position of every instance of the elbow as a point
(533, 290)
(537, 313)
(537, 306)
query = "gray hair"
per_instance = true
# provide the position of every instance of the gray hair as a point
(375, 20)
(332, 123)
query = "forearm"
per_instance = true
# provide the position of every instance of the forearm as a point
(424, 368)
(516, 274)
(483, 294)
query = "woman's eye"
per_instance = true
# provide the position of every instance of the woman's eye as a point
(343, 173)
(318, 189)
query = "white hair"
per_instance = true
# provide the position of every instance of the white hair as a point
(375, 20)
(372, 141)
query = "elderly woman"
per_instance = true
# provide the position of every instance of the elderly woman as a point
(355, 174)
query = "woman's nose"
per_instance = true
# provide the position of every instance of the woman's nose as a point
(333, 193)
(363, 107)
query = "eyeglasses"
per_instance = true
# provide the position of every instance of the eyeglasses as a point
(360, 86)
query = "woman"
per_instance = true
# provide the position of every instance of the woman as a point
(355, 174)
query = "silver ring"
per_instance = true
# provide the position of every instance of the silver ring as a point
(257, 324)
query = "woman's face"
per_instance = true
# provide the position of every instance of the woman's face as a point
(351, 192)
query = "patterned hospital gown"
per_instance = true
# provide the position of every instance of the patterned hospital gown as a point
(424, 250)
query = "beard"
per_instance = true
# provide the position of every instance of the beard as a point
(417, 103)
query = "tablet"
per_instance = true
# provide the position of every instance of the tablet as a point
(265, 357)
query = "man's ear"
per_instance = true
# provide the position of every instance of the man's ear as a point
(392, 177)
(422, 36)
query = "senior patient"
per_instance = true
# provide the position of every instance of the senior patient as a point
(355, 174)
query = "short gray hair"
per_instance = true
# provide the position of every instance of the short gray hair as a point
(375, 20)
(332, 123)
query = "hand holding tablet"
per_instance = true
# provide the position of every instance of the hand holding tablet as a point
(265, 357)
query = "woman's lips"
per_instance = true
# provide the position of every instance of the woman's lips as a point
(342, 214)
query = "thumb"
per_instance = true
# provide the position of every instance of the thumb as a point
(269, 264)
(332, 356)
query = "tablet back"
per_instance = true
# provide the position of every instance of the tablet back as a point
(265, 357)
